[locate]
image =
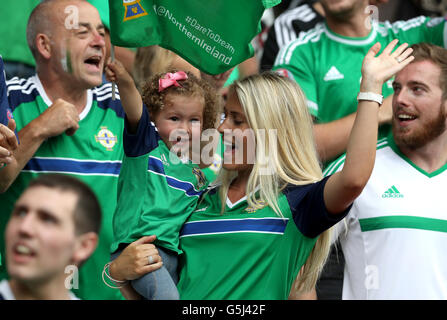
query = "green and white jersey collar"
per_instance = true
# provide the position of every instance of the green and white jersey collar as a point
(48, 101)
(234, 205)
(394, 147)
(361, 41)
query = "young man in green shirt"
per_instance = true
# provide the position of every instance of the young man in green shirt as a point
(326, 61)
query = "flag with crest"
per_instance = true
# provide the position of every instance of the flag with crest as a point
(212, 35)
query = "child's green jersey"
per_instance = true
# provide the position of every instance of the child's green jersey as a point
(157, 191)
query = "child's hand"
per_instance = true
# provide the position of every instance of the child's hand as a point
(115, 72)
(129, 95)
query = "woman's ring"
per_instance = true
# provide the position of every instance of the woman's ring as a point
(150, 259)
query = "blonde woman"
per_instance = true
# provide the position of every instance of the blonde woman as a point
(270, 217)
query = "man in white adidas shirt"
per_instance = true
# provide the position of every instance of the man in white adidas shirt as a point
(52, 230)
(326, 60)
(396, 235)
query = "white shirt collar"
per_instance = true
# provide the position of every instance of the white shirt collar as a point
(48, 102)
(6, 292)
(353, 41)
(231, 204)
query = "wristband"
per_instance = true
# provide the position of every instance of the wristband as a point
(118, 283)
(370, 96)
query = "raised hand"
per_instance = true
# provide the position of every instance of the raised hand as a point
(60, 117)
(130, 97)
(378, 69)
(115, 72)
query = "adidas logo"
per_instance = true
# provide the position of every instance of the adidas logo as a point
(392, 193)
(333, 74)
(163, 159)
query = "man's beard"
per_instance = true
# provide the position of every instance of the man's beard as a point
(345, 13)
(430, 130)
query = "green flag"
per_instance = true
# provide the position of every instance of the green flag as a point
(212, 35)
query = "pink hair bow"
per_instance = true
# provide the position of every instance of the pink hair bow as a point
(170, 79)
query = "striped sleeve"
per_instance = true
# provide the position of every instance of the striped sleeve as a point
(21, 91)
(419, 29)
(338, 164)
(335, 166)
(297, 62)
(286, 29)
(104, 97)
(4, 105)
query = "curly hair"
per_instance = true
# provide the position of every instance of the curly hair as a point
(193, 86)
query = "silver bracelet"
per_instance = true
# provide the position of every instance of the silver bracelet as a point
(119, 283)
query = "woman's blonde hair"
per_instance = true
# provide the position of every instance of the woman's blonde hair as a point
(275, 108)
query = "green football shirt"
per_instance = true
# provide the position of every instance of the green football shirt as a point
(93, 154)
(245, 253)
(327, 66)
(157, 190)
